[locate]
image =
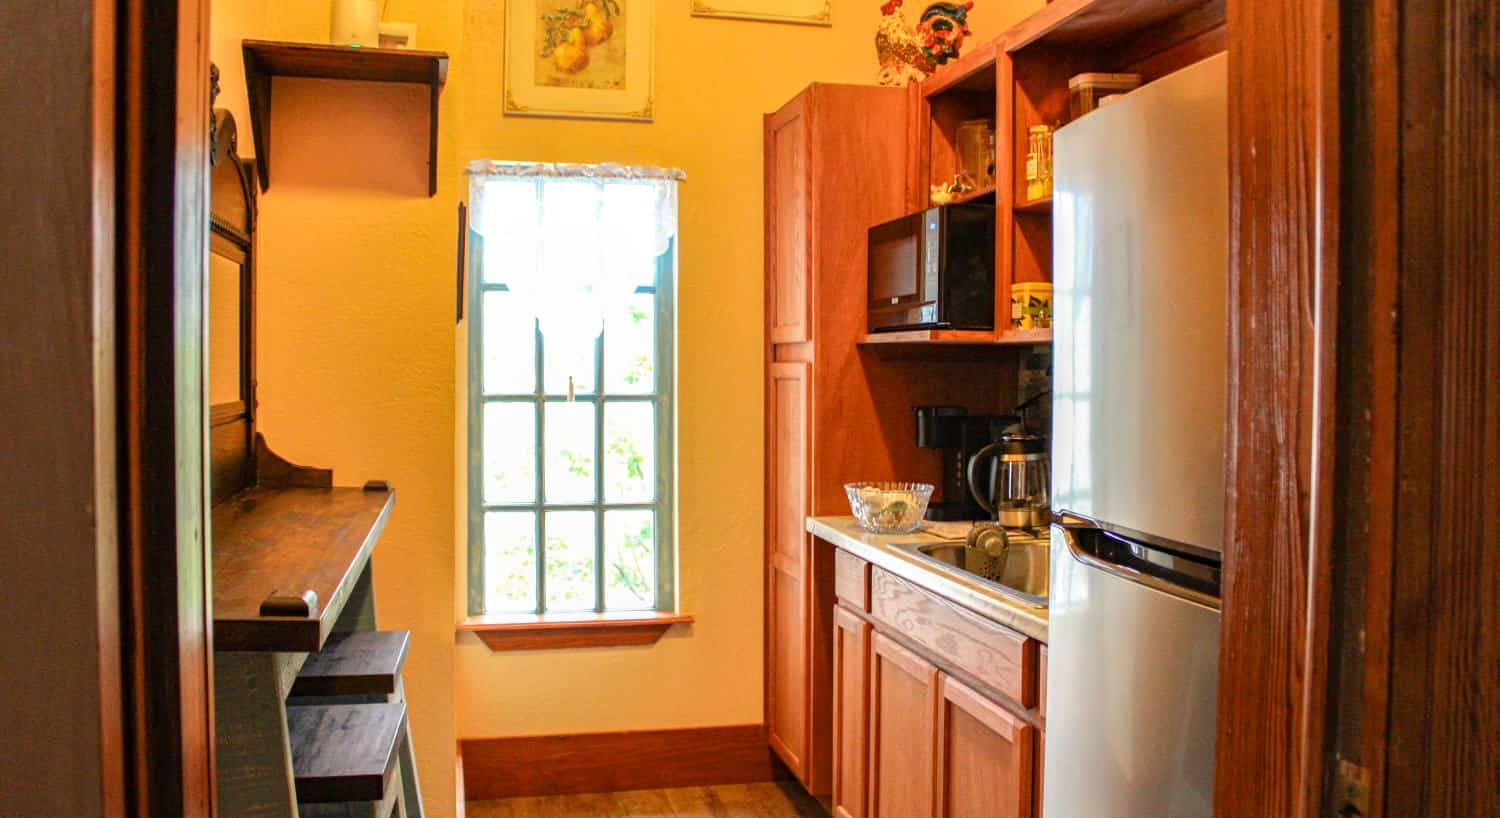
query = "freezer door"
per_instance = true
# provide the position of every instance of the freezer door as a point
(1132, 680)
(1140, 264)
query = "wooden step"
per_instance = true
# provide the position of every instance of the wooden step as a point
(354, 664)
(345, 752)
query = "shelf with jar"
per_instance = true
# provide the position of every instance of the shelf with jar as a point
(982, 125)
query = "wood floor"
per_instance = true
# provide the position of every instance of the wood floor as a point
(769, 800)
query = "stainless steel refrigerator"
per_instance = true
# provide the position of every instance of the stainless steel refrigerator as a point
(1140, 263)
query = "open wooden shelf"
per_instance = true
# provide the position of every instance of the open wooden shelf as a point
(1098, 22)
(1026, 337)
(949, 337)
(974, 71)
(977, 195)
(1042, 205)
(345, 752)
(283, 542)
(361, 663)
(265, 59)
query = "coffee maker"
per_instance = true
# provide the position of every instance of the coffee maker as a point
(958, 435)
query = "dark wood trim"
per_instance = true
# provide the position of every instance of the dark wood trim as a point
(1351, 589)
(1283, 123)
(1443, 746)
(612, 762)
(163, 226)
(560, 630)
(274, 471)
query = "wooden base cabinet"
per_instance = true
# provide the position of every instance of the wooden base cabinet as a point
(985, 762)
(903, 708)
(917, 733)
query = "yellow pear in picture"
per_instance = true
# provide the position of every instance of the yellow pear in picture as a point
(571, 55)
(598, 28)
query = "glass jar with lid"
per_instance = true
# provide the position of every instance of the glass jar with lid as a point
(1038, 162)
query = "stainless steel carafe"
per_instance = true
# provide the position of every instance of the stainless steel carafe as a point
(1019, 478)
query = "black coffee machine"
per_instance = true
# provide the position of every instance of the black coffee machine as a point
(958, 435)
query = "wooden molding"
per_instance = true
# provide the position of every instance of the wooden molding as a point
(614, 762)
(581, 630)
(1283, 279)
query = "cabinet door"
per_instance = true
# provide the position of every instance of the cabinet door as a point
(788, 213)
(984, 757)
(903, 704)
(851, 701)
(787, 555)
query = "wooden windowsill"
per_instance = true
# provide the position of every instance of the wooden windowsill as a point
(581, 630)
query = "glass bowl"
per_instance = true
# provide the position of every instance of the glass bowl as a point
(889, 508)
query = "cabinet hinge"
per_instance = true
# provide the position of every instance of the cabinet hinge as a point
(1353, 795)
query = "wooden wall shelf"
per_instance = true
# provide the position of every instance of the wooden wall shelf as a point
(958, 338)
(265, 60)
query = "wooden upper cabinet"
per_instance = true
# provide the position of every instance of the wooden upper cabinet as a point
(788, 215)
(851, 701)
(787, 587)
(903, 704)
(985, 757)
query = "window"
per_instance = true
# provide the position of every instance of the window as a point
(570, 388)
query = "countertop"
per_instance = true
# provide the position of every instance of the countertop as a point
(878, 549)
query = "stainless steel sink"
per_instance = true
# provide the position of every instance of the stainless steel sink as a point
(1018, 570)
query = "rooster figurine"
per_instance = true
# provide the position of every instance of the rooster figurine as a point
(908, 55)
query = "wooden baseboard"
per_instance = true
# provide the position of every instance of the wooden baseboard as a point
(614, 762)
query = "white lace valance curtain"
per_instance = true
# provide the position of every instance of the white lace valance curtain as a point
(570, 239)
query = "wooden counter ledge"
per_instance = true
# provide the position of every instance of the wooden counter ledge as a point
(283, 542)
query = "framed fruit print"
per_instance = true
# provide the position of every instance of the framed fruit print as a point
(579, 58)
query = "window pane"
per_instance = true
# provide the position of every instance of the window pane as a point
(630, 346)
(569, 451)
(629, 452)
(509, 222)
(629, 560)
(563, 358)
(509, 452)
(570, 560)
(510, 561)
(509, 346)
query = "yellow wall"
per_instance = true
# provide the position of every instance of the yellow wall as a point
(357, 340)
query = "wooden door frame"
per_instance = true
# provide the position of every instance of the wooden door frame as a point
(107, 639)
(161, 216)
(1364, 287)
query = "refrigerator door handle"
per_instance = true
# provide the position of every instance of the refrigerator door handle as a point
(1070, 534)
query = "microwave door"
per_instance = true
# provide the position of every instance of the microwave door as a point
(900, 294)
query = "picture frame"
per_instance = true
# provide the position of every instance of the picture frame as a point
(804, 12)
(582, 59)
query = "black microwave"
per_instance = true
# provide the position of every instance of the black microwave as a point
(934, 269)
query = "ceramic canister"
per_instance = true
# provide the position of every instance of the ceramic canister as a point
(355, 22)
